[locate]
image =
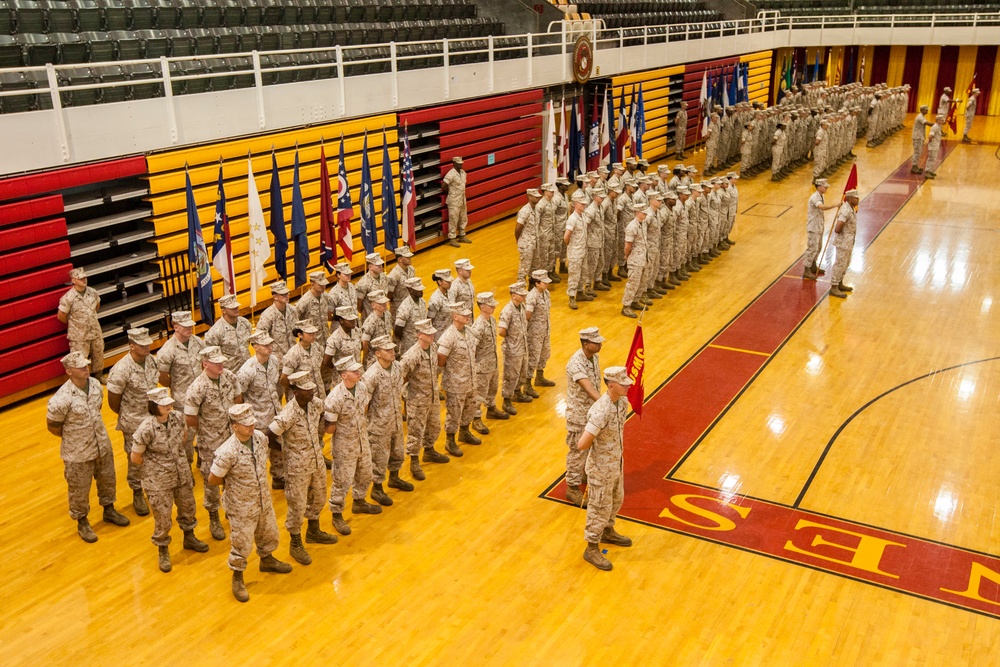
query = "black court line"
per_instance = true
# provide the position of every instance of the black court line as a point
(864, 407)
(760, 203)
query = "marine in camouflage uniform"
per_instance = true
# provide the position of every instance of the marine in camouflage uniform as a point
(73, 414)
(345, 410)
(343, 293)
(412, 310)
(512, 325)
(378, 323)
(278, 320)
(635, 254)
(487, 363)
(603, 436)
(316, 305)
(462, 290)
(680, 131)
(609, 214)
(526, 235)
(78, 311)
(208, 401)
(845, 228)
(374, 280)
(296, 429)
(179, 364)
(160, 453)
(545, 211)
(575, 242)
(241, 463)
(396, 282)
(562, 206)
(419, 367)
(457, 356)
(259, 380)
(128, 381)
(231, 333)
(583, 387)
(537, 310)
(345, 341)
(437, 305)
(385, 419)
(593, 217)
(305, 355)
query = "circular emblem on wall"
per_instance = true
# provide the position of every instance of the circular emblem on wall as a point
(583, 59)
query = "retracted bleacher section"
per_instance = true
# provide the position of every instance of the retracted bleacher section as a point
(500, 140)
(95, 34)
(89, 216)
(167, 196)
(661, 97)
(638, 13)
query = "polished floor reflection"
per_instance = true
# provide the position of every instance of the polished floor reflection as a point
(874, 416)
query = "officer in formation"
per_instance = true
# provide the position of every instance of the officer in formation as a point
(583, 388)
(919, 135)
(934, 146)
(680, 131)
(815, 225)
(970, 114)
(458, 216)
(396, 281)
(420, 371)
(845, 228)
(179, 363)
(526, 234)
(78, 311)
(487, 364)
(260, 380)
(603, 436)
(512, 326)
(231, 333)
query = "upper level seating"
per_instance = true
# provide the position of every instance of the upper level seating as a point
(81, 31)
(870, 7)
(637, 13)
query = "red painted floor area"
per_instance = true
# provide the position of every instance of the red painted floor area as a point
(679, 413)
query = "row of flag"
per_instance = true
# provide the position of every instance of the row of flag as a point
(791, 74)
(335, 224)
(723, 87)
(575, 146)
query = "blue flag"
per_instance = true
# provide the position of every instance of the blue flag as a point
(390, 221)
(222, 249)
(300, 236)
(198, 257)
(815, 76)
(367, 206)
(640, 123)
(278, 222)
(575, 141)
(746, 82)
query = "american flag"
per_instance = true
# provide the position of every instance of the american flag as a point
(409, 195)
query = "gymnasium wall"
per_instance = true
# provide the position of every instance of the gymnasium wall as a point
(928, 69)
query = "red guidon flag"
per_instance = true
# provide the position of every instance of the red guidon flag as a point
(852, 181)
(634, 365)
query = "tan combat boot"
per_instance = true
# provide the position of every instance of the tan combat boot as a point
(297, 550)
(611, 536)
(239, 588)
(594, 556)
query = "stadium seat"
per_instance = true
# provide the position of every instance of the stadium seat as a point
(11, 53)
(226, 41)
(78, 76)
(167, 15)
(139, 73)
(253, 14)
(268, 39)
(242, 72)
(206, 42)
(72, 47)
(15, 81)
(232, 13)
(180, 43)
(59, 16)
(154, 43)
(325, 12)
(28, 16)
(211, 16)
(114, 15)
(6, 20)
(128, 46)
(189, 14)
(307, 37)
(142, 14)
(248, 37)
(38, 49)
(273, 12)
(100, 46)
(107, 75)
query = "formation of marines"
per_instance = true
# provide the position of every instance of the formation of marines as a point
(651, 230)
(246, 400)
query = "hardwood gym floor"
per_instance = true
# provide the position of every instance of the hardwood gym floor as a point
(479, 566)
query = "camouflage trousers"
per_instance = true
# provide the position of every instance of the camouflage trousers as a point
(515, 372)
(134, 475)
(305, 492)
(576, 460)
(595, 264)
(92, 349)
(711, 153)
(653, 262)
(679, 246)
(666, 252)
(423, 423)
(212, 493)
(277, 458)
(576, 266)
(841, 263)
(680, 136)
(248, 527)
(918, 148)
(636, 279)
(539, 351)
(932, 158)
(603, 503)
(776, 163)
(458, 217)
(460, 409)
(487, 385)
(78, 478)
(813, 241)
(161, 504)
(387, 452)
(610, 247)
(527, 250)
(352, 471)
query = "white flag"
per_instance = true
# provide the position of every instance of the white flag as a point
(260, 249)
(551, 172)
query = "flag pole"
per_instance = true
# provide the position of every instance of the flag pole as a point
(191, 267)
(250, 162)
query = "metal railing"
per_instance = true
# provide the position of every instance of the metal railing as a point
(51, 86)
